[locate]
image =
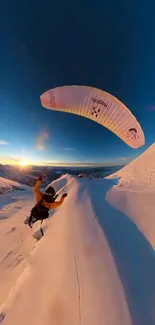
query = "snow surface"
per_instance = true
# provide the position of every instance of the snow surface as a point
(26, 176)
(7, 185)
(96, 263)
(134, 192)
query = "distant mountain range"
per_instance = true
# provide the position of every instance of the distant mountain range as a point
(11, 173)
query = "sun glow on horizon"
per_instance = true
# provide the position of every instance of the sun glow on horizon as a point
(24, 163)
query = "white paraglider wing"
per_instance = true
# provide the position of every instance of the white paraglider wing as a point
(98, 106)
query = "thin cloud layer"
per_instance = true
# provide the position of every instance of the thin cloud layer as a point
(40, 141)
(69, 149)
(3, 143)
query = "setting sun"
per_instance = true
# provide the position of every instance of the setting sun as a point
(23, 163)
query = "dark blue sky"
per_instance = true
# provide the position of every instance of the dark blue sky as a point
(106, 44)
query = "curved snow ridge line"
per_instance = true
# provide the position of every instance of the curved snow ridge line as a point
(70, 188)
(79, 290)
(65, 187)
(132, 190)
(61, 182)
(141, 169)
(96, 267)
(95, 215)
(135, 192)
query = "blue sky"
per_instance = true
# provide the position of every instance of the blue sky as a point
(110, 46)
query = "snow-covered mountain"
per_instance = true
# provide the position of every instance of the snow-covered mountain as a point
(4, 172)
(139, 174)
(14, 174)
(133, 192)
(95, 263)
(7, 185)
(10, 179)
(70, 277)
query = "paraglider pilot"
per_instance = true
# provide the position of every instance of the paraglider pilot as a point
(44, 203)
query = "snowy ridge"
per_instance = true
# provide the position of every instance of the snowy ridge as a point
(134, 192)
(4, 172)
(139, 175)
(71, 284)
(95, 264)
(13, 173)
(7, 185)
(62, 183)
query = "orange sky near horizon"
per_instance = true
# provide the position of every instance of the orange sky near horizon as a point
(29, 162)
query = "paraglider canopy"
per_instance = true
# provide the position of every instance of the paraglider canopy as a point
(98, 106)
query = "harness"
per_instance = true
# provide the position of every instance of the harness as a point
(39, 211)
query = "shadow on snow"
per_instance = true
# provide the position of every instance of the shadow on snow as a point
(133, 254)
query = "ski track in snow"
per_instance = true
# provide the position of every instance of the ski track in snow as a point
(96, 262)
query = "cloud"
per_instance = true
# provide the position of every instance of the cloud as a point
(41, 139)
(3, 143)
(69, 149)
(8, 160)
(123, 158)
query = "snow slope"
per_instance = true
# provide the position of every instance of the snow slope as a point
(4, 172)
(139, 175)
(134, 192)
(62, 183)
(95, 264)
(14, 173)
(69, 277)
(7, 185)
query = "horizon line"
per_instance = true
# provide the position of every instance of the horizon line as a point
(68, 164)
